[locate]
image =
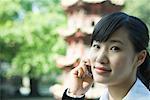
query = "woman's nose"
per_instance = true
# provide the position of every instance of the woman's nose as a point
(102, 58)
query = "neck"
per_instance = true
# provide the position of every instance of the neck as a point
(117, 92)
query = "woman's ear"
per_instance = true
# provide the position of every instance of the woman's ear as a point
(141, 57)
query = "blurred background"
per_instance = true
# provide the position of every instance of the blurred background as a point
(42, 40)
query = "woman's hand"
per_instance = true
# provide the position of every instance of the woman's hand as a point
(81, 78)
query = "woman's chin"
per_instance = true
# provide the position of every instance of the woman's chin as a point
(100, 80)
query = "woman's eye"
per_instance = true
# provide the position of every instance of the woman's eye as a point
(114, 48)
(96, 46)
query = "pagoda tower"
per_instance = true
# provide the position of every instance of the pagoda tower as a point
(82, 15)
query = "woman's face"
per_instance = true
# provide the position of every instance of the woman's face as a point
(113, 61)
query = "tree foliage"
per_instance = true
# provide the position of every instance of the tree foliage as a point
(28, 35)
(139, 8)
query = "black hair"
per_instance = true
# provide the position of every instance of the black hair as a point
(138, 35)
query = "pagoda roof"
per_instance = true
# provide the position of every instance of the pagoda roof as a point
(69, 32)
(67, 3)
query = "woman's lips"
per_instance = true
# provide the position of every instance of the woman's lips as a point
(102, 70)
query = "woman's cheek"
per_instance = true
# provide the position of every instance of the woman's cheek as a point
(92, 56)
(92, 59)
(118, 62)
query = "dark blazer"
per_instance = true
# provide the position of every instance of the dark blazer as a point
(66, 97)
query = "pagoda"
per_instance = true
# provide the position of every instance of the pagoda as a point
(82, 15)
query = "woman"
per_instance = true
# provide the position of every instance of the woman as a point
(118, 59)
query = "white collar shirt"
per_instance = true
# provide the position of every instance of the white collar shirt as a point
(138, 92)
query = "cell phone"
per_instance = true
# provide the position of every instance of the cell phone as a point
(89, 69)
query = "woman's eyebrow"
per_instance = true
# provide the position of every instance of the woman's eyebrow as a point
(116, 41)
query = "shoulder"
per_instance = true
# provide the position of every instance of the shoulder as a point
(138, 91)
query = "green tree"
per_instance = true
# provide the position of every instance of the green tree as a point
(28, 36)
(139, 8)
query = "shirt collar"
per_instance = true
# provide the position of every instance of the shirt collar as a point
(138, 91)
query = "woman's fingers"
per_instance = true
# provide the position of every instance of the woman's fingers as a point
(80, 72)
(81, 80)
(83, 69)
